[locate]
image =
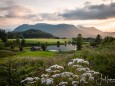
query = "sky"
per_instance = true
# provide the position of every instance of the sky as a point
(89, 13)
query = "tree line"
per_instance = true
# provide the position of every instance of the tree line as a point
(95, 42)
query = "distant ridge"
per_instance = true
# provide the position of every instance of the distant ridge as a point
(64, 30)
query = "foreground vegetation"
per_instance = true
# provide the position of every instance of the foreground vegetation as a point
(17, 68)
(24, 67)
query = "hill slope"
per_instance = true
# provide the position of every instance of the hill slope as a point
(33, 33)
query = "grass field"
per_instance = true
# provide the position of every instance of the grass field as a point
(33, 63)
(43, 40)
(37, 54)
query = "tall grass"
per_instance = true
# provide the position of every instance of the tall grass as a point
(102, 59)
(22, 67)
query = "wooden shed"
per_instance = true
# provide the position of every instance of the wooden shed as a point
(35, 48)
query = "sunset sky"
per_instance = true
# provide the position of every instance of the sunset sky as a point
(93, 13)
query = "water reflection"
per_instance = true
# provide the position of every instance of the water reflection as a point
(61, 47)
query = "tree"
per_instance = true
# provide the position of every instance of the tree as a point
(3, 35)
(23, 42)
(98, 39)
(20, 48)
(65, 43)
(79, 42)
(17, 42)
(107, 40)
(58, 43)
(38, 43)
(43, 47)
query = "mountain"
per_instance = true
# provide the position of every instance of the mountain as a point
(110, 34)
(59, 30)
(90, 31)
(31, 33)
(63, 30)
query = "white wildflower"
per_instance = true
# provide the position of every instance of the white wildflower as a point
(49, 81)
(44, 75)
(78, 66)
(71, 79)
(96, 73)
(83, 79)
(31, 82)
(56, 66)
(86, 74)
(43, 80)
(60, 67)
(70, 63)
(55, 71)
(64, 74)
(90, 71)
(48, 70)
(75, 83)
(36, 78)
(56, 75)
(86, 62)
(74, 60)
(29, 79)
(80, 60)
(91, 78)
(63, 83)
(75, 76)
(22, 81)
(83, 69)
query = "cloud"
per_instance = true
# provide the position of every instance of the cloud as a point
(91, 12)
(49, 16)
(44, 17)
(10, 9)
(14, 11)
(87, 3)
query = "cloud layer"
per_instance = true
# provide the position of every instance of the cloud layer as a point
(85, 12)
(10, 9)
(91, 12)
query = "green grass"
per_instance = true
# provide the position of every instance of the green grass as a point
(6, 53)
(37, 54)
(43, 40)
(50, 41)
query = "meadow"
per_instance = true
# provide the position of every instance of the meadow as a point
(49, 41)
(32, 64)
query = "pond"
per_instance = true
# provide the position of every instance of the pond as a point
(54, 48)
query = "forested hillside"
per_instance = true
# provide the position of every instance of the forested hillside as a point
(31, 33)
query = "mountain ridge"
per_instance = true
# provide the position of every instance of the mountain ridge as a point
(64, 30)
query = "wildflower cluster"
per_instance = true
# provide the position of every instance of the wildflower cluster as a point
(77, 72)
